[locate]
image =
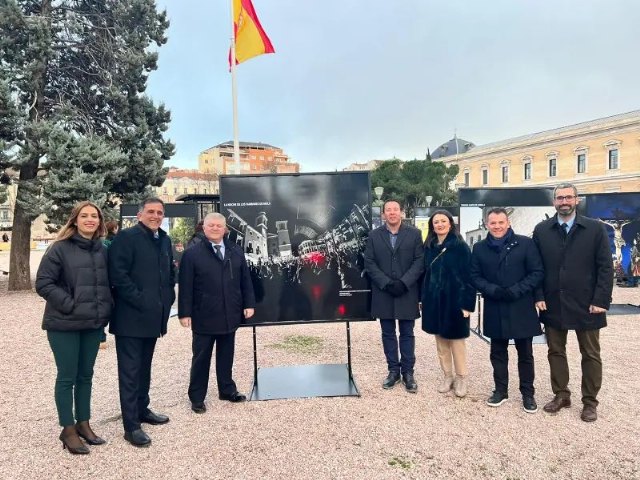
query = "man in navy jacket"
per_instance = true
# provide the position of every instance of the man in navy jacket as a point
(215, 294)
(143, 278)
(506, 268)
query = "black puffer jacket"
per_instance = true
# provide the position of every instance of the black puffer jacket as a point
(73, 279)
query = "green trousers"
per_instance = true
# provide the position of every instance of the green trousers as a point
(75, 354)
(589, 342)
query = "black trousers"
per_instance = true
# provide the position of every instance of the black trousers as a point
(202, 347)
(134, 377)
(500, 361)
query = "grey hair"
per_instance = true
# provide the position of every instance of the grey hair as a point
(563, 186)
(214, 216)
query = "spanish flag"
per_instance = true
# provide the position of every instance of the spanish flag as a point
(250, 38)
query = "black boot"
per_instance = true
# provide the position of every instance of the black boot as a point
(409, 382)
(391, 380)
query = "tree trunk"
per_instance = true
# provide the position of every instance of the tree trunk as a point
(19, 259)
(19, 264)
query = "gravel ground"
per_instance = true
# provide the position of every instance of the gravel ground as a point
(380, 435)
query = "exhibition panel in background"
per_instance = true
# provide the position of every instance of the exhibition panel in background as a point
(620, 214)
(304, 237)
(526, 208)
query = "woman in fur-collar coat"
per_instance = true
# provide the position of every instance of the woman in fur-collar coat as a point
(448, 298)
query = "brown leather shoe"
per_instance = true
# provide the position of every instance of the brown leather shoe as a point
(589, 413)
(557, 404)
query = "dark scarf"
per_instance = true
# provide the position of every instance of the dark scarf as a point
(497, 244)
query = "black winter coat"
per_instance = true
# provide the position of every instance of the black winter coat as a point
(214, 292)
(142, 274)
(518, 268)
(447, 289)
(384, 264)
(72, 278)
(578, 273)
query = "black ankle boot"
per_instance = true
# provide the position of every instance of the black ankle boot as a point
(71, 441)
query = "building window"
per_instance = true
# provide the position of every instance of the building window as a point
(581, 163)
(613, 159)
(527, 171)
(553, 167)
(175, 190)
(485, 176)
(206, 161)
(185, 190)
(505, 174)
(466, 179)
(164, 190)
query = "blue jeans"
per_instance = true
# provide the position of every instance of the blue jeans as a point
(406, 343)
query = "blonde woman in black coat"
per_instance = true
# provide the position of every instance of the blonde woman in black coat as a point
(72, 278)
(448, 298)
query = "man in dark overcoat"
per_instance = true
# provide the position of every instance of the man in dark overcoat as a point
(393, 260)
(506, 268)
(575, 295)
(215, 294)
(142, 275)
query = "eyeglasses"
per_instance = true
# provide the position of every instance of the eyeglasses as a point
(560, 198)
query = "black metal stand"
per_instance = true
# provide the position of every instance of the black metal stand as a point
(303, 381)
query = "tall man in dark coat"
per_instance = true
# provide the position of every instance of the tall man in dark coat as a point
(215, 294)
(393, 259)
(506, 268)
(142, 275)
(575, 295)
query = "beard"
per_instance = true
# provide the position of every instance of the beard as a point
(565, 210)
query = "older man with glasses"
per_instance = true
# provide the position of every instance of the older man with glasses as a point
(575, 295)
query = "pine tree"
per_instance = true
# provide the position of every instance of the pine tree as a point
(74, 119)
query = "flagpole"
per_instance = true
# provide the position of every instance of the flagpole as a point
(234, 95)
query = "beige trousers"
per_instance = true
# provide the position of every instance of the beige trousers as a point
(452, 353)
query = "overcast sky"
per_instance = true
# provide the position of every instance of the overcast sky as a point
(354, 80)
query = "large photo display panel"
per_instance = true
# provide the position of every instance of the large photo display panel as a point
(620, 214)
(304, 237)
(526, 208)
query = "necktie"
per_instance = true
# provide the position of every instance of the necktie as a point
(565, 228)
(218, 252)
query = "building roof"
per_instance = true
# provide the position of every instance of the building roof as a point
(257, 145)
(455, 146)
(585, 127)
(193, 174)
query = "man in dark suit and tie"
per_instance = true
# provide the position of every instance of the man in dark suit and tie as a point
(575, 295)
(393, 259)
(215, 294)
(142, 275)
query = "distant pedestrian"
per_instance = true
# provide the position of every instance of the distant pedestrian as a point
(112, 230)
(72, 278)
(5, 237)
(198, 235)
